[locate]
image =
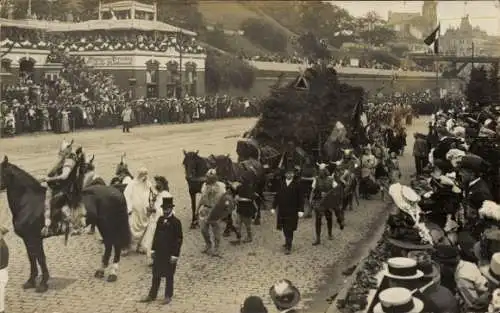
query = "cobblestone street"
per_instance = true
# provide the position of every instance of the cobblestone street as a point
(203, 284)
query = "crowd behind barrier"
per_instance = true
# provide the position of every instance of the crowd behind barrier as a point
(131, 40)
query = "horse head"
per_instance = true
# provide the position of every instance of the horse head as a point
(88, 166)
(11, 175)
(194, 165)
(224, 165)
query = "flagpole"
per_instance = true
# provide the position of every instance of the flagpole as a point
(436, 60)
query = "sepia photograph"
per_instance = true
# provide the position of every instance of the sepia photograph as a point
(198, 156)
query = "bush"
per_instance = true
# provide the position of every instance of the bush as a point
(265, 35)
(223, 72)
(479, 89)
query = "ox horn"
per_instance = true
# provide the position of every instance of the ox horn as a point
(317, 164)
(122, 157)
(184, 151)
(92, 159)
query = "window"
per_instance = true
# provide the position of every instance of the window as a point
(173, 80)
(152, 67)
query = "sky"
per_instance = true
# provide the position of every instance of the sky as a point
(481, 13)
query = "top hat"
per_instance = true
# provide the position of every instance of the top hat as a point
(168, 203)
(492, 272)
(253, 304)
(446, 254)
(398, 300)
(403, 269)
(284, 294)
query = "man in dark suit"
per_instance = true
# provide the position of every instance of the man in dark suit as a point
(166, 248)
(289, 203)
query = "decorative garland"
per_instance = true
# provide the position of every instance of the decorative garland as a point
(357, 295)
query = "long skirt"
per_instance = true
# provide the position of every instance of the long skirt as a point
(147, 241)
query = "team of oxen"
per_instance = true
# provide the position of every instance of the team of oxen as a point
(107, 208)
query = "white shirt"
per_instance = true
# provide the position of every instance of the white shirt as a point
(288, 182)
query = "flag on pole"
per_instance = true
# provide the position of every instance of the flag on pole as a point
(433, 39)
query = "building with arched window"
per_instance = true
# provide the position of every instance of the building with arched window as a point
(147, 58)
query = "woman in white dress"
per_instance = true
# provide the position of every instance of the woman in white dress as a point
(162, 189)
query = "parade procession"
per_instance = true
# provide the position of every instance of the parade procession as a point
(140, 171)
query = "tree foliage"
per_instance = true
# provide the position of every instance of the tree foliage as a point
(302, 115)
(223, 71)
(312, 47)
(372, 29)
(264, 34)
(480, 88)
(181, 13)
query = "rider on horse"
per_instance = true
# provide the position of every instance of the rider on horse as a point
(61, 180)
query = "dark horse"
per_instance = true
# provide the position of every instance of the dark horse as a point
(251, 170)
(88, 169)
(195, 168)
(106, 207)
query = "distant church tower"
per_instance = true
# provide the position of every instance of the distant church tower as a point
(429, 14)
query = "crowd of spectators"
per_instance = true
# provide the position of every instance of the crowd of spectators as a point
(99, 40)
(80, 97)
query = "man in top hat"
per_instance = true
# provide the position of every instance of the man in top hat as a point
(285, 296)
(289, 204)
(166, 248)
(4, 263)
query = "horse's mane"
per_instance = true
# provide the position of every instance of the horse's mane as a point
(29, 181)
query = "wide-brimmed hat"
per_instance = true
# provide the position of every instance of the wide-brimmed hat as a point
(284, 294)
(492, 272)
(404, 197)
(398, 300)
(253, 304)
(402, 268)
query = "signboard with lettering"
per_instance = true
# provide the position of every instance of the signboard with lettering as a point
(98, 61)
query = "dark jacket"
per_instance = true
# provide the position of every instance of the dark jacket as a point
(288, 202)
(477, 194)
(438, 299)
(420, 148)
(167, 242)
(4, 254)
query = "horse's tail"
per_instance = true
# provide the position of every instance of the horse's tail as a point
(123, 235)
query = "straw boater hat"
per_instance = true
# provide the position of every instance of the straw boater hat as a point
(492, 272)
(402, 269)
(284, 294)
(398, 300)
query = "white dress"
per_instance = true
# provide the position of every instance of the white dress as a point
(147, 241)
(137, 196)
